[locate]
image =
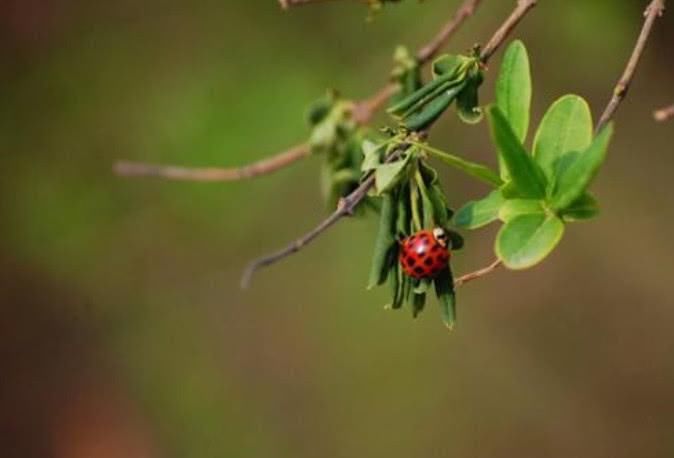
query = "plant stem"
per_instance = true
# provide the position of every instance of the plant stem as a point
(654, 10)
(522, 8)
(430, 50)
(477, 274)
(346, 207)
(213, 174)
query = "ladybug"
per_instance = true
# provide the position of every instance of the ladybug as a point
(425, 254)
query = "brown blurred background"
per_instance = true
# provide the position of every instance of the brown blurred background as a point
(123, 331)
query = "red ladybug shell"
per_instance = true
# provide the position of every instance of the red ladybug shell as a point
(423, 256)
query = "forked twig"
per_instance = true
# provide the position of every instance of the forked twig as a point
(522, 8)
(467, 278)
(654, 10)
(346, 207)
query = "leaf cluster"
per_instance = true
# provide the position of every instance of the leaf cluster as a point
(338, 138)
(542, 190)
(412, 200)
(456, 79)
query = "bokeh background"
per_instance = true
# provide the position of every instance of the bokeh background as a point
(123, 332)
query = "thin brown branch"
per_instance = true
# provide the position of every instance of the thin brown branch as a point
(349, 203)
(664, 114)
(210, 174)
(654, 10)
(431, 49)
(459, 282)
(346, 207)
(522, 8)
(363, 112)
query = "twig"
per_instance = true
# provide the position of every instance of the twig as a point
(466, 10)
(263, 167)
(362, 111)
(522, 8)
(664, 114)
(654, 10)
(351, 202)
(459, 282)
(346, 207)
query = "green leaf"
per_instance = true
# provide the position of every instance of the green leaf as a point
(448, 65)
(515, 207)
(456, 241)
(513, 89)
(435, 194)
(526, 240)
(423, 94)
(479, 171)
(427, 207)
(385, 243)
(444, 290)
(403, 226)
(433, 109)
(584, 208)
(467, 102)
(400, 283)
(577, 177)
(479, 213)
(566, 127)
(387, 176)
(406, 72)
(418, 304)
(372, 156)
(509, 191)
(424, 286)
(394, 281)
(526, 175)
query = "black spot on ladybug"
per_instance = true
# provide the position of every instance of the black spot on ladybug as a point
(428, 262)
(418, 270)
(410, 261)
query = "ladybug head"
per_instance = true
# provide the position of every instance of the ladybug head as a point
(440, 236)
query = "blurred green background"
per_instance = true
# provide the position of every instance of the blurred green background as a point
(124, 332)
